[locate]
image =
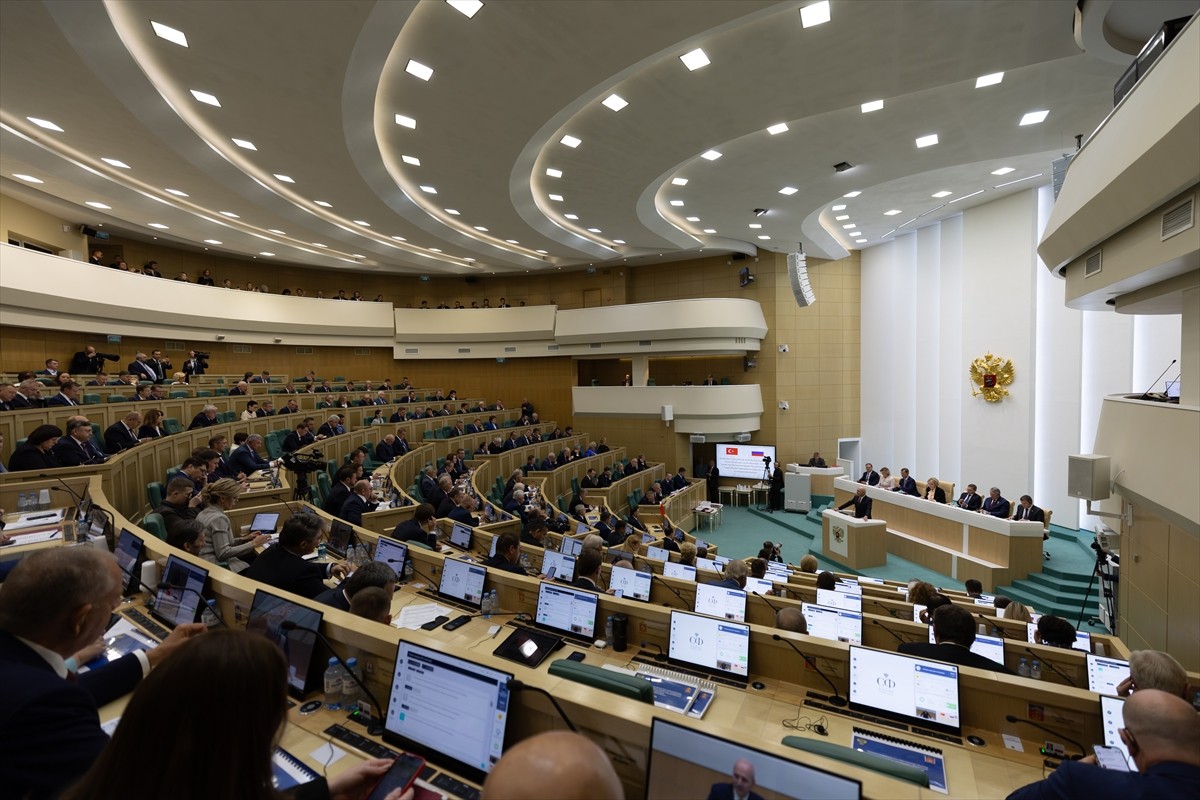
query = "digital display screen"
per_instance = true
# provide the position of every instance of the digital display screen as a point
(629, 583)
(1083, 640)
(463, 581)
(179, 601)
(908, 688)
(565, 610)
(849, 587)
(1112, 718)
(744, 460)
(267, 613)
(340, 537)
(659, 553)
(837, 599)
(571, 547)
(759, 586)
(711, 643)
(990, 647)
(460, 536)
(681, 571)
(720, 601)
(708, 565)
(128, 551)
(264, 522)
(835, 624)
(1104, 674)
(389, 551)
(556, 565)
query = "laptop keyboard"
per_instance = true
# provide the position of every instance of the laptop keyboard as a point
(455, 787)
(447, 783)
(152, 627)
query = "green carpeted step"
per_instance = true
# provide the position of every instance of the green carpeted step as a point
(1072, 585)
(1061, 607)
(1046, 593)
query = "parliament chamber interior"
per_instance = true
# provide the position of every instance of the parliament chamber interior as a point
(584, 400)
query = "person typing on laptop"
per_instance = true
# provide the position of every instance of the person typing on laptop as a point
(284, 566)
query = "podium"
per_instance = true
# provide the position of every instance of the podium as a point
(856, 543)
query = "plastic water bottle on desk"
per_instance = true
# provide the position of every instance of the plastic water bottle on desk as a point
(1035, 671)
(333, 686)
(1023, 668)
(489, 604)
(22, 503)
(349, 687)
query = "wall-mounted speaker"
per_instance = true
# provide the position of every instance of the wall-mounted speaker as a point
(797, 267)
(742, 438)
(668, 413)
(697, 438)
(1088, 477)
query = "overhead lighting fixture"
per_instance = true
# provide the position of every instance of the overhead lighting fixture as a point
(543, 252)
(229, 214)
(618, 241)
(99, 205)
(362, 222)
(400, 239)
(435, 250)
(927, 141)
(512, 241)
(244, 144)
(571, 141)
(891, 213)
(169, 33)
(481, 229)
(453, 212)
(115, 162)
(930, 211)
(1018, 180)
(468, 8)
(873, 105)
(277, 232)
(1034, 117)
(861, 241)
(843, 166)
(416, 162)
(553, 173)
(157, 225)
(406, 122)
(558, 198)
(213, 241)
(988, 80)
(850, 225)
(815, 14)
(841, 217)
(755, 225)
(710, 230)
(468, 259)
(27, 178)
(851, 195)
(788, 190)
(677, 203)
(418, 69)
(760, 212)
(695, 59)
(323, 204)
(265, 253)
(595, 230)
(284, 178)
(942, 193)
(571, 216)
(679, 181)
(357, 255)
(839, 207)
(428, 190)
(911, 221)
(615, 102)
(318, 244)
(711, 155)
(206, 98)
(176, 192)
(764, 237)
(778, 128)
(44, 123)
(965, 196)
(693, 219)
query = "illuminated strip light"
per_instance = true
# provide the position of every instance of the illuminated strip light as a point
(1018, 180)
(965, 196)
(901, 225)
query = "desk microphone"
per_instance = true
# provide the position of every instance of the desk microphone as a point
(432, 583)
(517, 686)
(374, 722)
(210, 602)
(891, 612)
(1082, 752)
(79, 499)
(655, 577)
(999, 631)
(1050, 664)
(1146, 395)
(837, 700)
(763, 597)
(895, 635)
(661, 655)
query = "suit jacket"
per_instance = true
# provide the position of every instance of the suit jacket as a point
(460, 514)
(384, 452)
(150, 432)
(49, 727)
(1034, 514)
(243, 459)
(117, 437)
(353, 509)
(1075, 781)
(870, 478)
(939, 495)
(285, 570)
(328, 430)
(816, 462)
(61, 399)
(724, 791)
(291, 443)
(952, 654)
(143, 371)
(337, 497)
(174, 515)
(997, 508)
(862, 506)
(201, 420)
(68, 452)
(728, 583)
(500, 562)
(335, 597)
(971, 502)
(907, 486)
(410, 530)
(158, 367)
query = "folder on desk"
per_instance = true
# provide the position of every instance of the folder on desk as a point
(905, 752)
(288, 771)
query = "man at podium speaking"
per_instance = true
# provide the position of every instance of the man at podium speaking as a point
(861, 503)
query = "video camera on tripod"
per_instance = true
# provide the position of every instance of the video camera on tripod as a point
(304, 463)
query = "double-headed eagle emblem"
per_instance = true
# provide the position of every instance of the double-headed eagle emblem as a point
(992, 375)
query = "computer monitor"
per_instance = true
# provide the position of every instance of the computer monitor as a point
(556, 565)
(990, 647)
(462, 581)
(715, 644)
(179, 600)
(835, 598)
(565, 610)
(867, 579)
(581, 528)
(129, 555)
(264, 522)
(850, 587)
(659, 553)
(835, 624)
(1104, 674)
(707, 565)
(341, 537)
(267, 613)
(493, 545)
(721, 560)
(909, 689)
(449, 711)
(1112, 719)
(571, 547)
(460, 536)
(687, 763)
(759, 586)
(1171, 388)
(720, 601)
(629, 583)
(391, 552)
(1083, 639)
(684, 572)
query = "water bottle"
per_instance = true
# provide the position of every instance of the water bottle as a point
(349, 687)
(1035, 671)
(489, 604)
(333, 686)
(22, 503)
(608, 629)
(1023, 668)
(364, 555)
(408, 571)
(43, 501)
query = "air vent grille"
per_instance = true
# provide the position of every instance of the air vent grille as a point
(362, 351)
(462, 351)
(1093, 264)
(1179, 219)
(241, 348)
(551, 347)
(510, 349)
(304, 351)
(171, 344)
(411, 351)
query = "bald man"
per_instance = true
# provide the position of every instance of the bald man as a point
(742, 786)
(554, 766)
(791, 619)
(1162, 734)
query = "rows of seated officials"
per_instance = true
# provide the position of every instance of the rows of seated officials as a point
(995, 504)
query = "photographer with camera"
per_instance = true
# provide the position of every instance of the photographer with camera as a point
(196, 363)
(89, 362)
(775, 494)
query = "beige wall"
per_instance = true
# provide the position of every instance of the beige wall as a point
(27, 224)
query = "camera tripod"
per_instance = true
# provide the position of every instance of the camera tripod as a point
(1106, 593)
(766, 481)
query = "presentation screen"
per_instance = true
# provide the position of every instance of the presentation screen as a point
(743, 460)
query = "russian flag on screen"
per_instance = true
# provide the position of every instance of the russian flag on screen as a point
(757, 453)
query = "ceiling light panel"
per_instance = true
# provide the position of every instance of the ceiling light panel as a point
(571, 216)
(213, 241)
(571, 141)
(710, 230)
(115, 162)
(206, 98)
(418, 69)
(558, 198)
(468, 8)
(927, 141)
(27, 178)
(1003, 170)
(777, 129)
(364, 223)
(170, 34)
(861, 241)
(839, 207)
(428, 190)
(229, 214)
(245, 144)
(815, 14)
(755, 225)
(283, 178)
(788, 190)
(677, 203)
(615, 102)
(412, 160)
(45, 123)
(618, 241)
(158, 225)
(679, 181)
(988, 80)
(277, 232)
(97, 204)
(891, 213)
(553, 173)
(323, 203)
(453, 212)
(873, 105)
(693, 219)
(176, 192)
(841, 217)
(1034, 117)
(764, 237)
(942, 193)
(851, 195)
(595, 230)
(695, 59)
(710, 155)
(406, 122)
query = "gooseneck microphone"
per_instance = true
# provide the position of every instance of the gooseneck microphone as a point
(517, 686)
(1082, 752)
(432, 583)
(375, 721)
(999, 631)
(661, 655)
(1146, 395)
(895, 635)
(1050, 664)
(763, 597)
(654, 576)
(837, 700)
(79, 499)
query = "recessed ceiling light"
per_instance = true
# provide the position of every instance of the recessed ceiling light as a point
(873, 105)
(283, 178)
(543, 252)
(468, 259)
(1034, 117)
(176, 192)
(245, 144)
(318, 244)
(595, 230)
(965, 196)
(777, 128)
(815, 14)
(711, 155)
(851, 195)
(435, 250)
(169, 33)
(468, 8)
(615, 102)
(158, 225)
(841, 217)
(839, 207)
(553, 173)
(512, 241)
(453, 211)
(265, 253)
(618, 241)
(323, 204)
(97, 204)
(44, 123)
(764, 237)
(679, 181)
(1003, 170)
(357, 255)
(891, 213)
(988, 80)
(861, 241)
(405, 122)
(695, 59)
(927, 141)
(677, 203)
(229, 214)
(400, 239)
(213, 241)
(416, 162)
(755, 225)
(788, 190)
(206, 98)
(420, 70)
(27, 178)
(558, 198)
(277, 232)
(710, 230)
(571, 141)
(693, 219)
(364, 223)
(942, 193)
(116, 162)
(1018, 180)
(429, 190)
(571, 216)
(481, 229)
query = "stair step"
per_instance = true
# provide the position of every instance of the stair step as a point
(1075, 584)
(1062, 608)
(1047, 593)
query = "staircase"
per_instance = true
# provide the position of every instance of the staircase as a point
(1053, 591)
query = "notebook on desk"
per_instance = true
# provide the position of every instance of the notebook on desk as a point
(902, 751)
(288, 771)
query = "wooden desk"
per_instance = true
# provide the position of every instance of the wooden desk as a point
(856, 543)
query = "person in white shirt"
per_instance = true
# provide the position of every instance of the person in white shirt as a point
(887, 481)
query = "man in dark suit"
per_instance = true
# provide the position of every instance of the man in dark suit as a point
(736, 572)
(775, 493)
(205, 419)
(383, 450)
(953, 634)
(122, 434)
(508, 554)
(906, 484)
(160, 365)
(283, 566)
(56, 602)
(89, 362)
(296, 439)
(995, 505)
(421, 528)
(246, 458)
(816, 461)
(142, 370)
(332, 426)
(194, 364)
(75, 449)
(587, 570)
(870, 477)
(1028, 512)
(373, 573)
(357, 503)
(68, 395)
(742, 786)
(970, 499)
(343, 479)
(861, 503)
(462, 512)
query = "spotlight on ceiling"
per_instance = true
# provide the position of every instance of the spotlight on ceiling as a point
(758, 212)
(843, 166)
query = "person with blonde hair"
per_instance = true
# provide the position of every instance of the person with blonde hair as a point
(687, 554)
(887, 481)
(221, 546)
(1154, 669)
(809, 564)
(934, 491)
(1017, 612)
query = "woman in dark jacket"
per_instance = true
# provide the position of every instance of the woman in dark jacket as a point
(35, 453)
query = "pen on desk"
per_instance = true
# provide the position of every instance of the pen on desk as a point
(497, 632)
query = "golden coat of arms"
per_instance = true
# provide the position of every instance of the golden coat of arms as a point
(991, 374)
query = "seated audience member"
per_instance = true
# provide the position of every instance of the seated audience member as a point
(1153, 669)
(953, 635)
(921, 593)
(68, 395)
(1053, 631)
(205, 419)
(860, 502)
(422, 527)
(887, 481)
(809, 563)
(332, 426)
(463, 512)
(634, 520)
(508, 554)
(123, 434)
(826, 580)
(558, 765)
(223, 546)
(1017, 612)
(208, 676)
(995, 505)
(970, 499)
(619, 533)
(687, 554)
(383, 451)
(535, 534)
(736, 573)
(906, 484)
(37, 453)
(869, 476)
(934, 491)
(772, 551)
(55, 602)
(343, 480)
(246, 458)
(1027, 511)
(587, 570)
(791, 619)
(937, 601)
(372, 603)
(251, 411)
(152, 427)
(740, 788)
(758, 568)
(179, 505)
(240, 389)
(974, 588)
(189, 536)
(626, 550)
(358, 502)
(373, 574)
(1162, 735)
(283, 565)
(76, 448)
(816, 461)
(298, 438)
(1001, 603)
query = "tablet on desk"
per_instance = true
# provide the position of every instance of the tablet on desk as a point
(264, 522)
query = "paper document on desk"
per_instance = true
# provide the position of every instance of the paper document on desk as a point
(413, 617)
(35, 519)
(35, 536)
